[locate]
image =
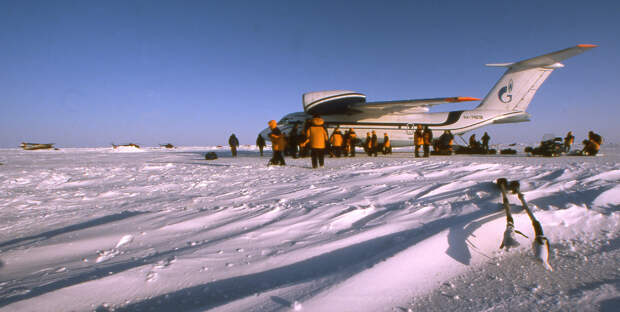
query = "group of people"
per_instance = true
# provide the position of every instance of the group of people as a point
(372, 146)
(482, 146)
(591, 146)
(422, 137)
(314, 140)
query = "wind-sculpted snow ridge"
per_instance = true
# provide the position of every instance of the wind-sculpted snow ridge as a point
(167, 230)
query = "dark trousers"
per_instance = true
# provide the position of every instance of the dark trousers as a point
(277, 158)
(318, 155)
(372, 151)
(337, 150)
(426, 150)
(233, 149)
(417, 150)
(260, 148)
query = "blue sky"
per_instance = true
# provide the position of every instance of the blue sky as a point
(89, 73)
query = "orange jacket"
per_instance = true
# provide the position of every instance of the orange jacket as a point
(316, 134)
(278, 143)
(352, 138)
(427, 137)
(386, 142)
(418, 137)
(336, 139)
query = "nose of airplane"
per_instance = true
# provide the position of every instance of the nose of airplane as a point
(265, 133)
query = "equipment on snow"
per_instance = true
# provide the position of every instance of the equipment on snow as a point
(509, 240)
(540, 243)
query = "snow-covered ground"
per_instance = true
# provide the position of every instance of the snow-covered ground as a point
(166, 230)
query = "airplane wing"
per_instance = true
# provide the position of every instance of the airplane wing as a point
(405, 105)
(347, 102)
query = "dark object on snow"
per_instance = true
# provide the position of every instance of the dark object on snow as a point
(125, 145)
(210, 156)
(168, 145)
(508, 151)
(36, 146)
(547, 148)
(477, 150)
(541, 243)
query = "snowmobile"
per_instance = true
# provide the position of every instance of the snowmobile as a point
(548, 148)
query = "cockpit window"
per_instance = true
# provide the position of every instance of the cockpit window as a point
(283, 121)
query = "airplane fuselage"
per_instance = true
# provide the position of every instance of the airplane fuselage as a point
(401, 127)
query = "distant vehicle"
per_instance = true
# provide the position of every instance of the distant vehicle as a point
(36, 146)
(167, 145)
(506, 102)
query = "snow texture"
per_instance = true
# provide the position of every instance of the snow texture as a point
(156, 229)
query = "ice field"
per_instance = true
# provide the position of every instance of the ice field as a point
(153, 229)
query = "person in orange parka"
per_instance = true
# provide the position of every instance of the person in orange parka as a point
(387, 145)
(592, 144)
(374, 144)
(351, 141)
(337, 142)
(367, 143)
(278, 144)
(418, 139)
(428, 140)
(317, 138)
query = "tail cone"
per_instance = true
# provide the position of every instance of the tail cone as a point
(541, 251)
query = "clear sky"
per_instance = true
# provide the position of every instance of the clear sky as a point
(89, 73)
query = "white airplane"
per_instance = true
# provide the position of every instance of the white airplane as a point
(505, 103)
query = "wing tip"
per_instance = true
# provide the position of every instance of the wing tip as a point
(462, 99)
(586, 45)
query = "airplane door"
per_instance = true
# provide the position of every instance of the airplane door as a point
(410, 129)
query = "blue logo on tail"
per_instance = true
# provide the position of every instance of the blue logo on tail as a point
(505, 93)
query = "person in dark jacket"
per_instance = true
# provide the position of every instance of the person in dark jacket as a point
(277, 144)
(260, 142)
(367, 143)
(473, 143)
(485, 142)
(568, 141)
(293, 140)
(428, 140)
(445, 142)
(234, 143)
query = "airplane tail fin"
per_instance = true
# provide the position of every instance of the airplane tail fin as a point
(516, 88)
